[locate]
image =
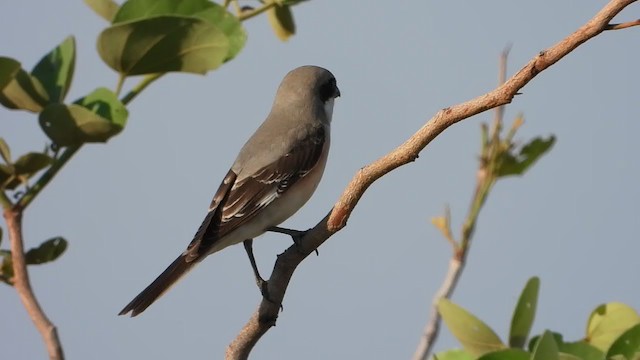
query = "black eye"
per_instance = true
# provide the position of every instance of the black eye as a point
(329, 90)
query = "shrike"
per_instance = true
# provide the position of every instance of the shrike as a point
(274, 175)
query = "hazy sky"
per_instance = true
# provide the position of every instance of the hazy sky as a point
(130, 207)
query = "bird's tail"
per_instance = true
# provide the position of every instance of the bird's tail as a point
(178, 268)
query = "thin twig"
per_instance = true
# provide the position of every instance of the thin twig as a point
(267, 312)
(623, 25)
(23, 286)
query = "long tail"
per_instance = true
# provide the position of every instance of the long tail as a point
(178, 268)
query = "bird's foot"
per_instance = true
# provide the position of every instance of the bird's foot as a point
(296, 236)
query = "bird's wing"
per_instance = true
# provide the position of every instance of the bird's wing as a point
(237, 202)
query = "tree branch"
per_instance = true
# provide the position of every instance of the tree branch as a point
(23, 286)
(267, 312)
(485, 180)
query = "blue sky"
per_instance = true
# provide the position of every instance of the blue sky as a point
(128, 208)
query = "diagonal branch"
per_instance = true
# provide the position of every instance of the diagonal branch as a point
(23, 286)
(267, 312)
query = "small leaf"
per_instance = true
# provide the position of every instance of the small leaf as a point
(607, 322)
(581, 349)
(524, 314)
(30, 163)
(546, 348)
(94, 118)
(46, 252)
(163, 44)
(281, 20)
(511, 164)
(55, 70)
(6, 267)
(24, 92)
(202, 9)
(506, 354)
(8, 70)
(454, 355)
(106, 9)
(475, 336)
(628, 344)
(5, 152)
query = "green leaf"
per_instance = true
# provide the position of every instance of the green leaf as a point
(55, 70)
(511, 164)
(24, 92)
(581, 349)
(607, 322)
(456, 354)
(47, 251)
(8, 70)
(475, 336)
(546, 348)
(163, 44)
(6, 267)
(565, 356)
(106, 9)
(5, 152)
(281, 21)
(94, 118)
(524, 314)
(202, 9)
(29, 164)
(144, 9)
(506, 354)
(628, 344)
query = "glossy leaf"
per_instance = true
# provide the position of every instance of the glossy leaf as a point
(8, 70)
(55, 70)
(163, 44)
(581, 349)
(203, 9)
(506, 354)
(607, 322)
(5, 152)
(475, 336)
(106, 9)
(281, 21)
(546, 348)
(24, 92)
(94, 118)
(512, 164)
(456, 354)
(628, 344)
(144, 9)
(30, 163)
(47, 251)
(524, 314)
(565, 356)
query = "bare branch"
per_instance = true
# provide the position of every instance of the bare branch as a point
(23, 286)
(485, 179)
(267, 312)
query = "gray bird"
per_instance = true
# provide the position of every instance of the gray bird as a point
(275, 173)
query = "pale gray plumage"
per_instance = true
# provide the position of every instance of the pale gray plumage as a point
(275, 173)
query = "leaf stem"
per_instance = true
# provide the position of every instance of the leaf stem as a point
(246, 15)
(121, 79)
(33, 191)
(146, 81)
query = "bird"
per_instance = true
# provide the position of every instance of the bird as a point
(275, 173)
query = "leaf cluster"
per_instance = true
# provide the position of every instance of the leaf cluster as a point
(612, 332)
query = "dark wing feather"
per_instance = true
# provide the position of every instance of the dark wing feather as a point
(238, 204)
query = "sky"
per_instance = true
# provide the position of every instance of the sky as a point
(129, 207)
